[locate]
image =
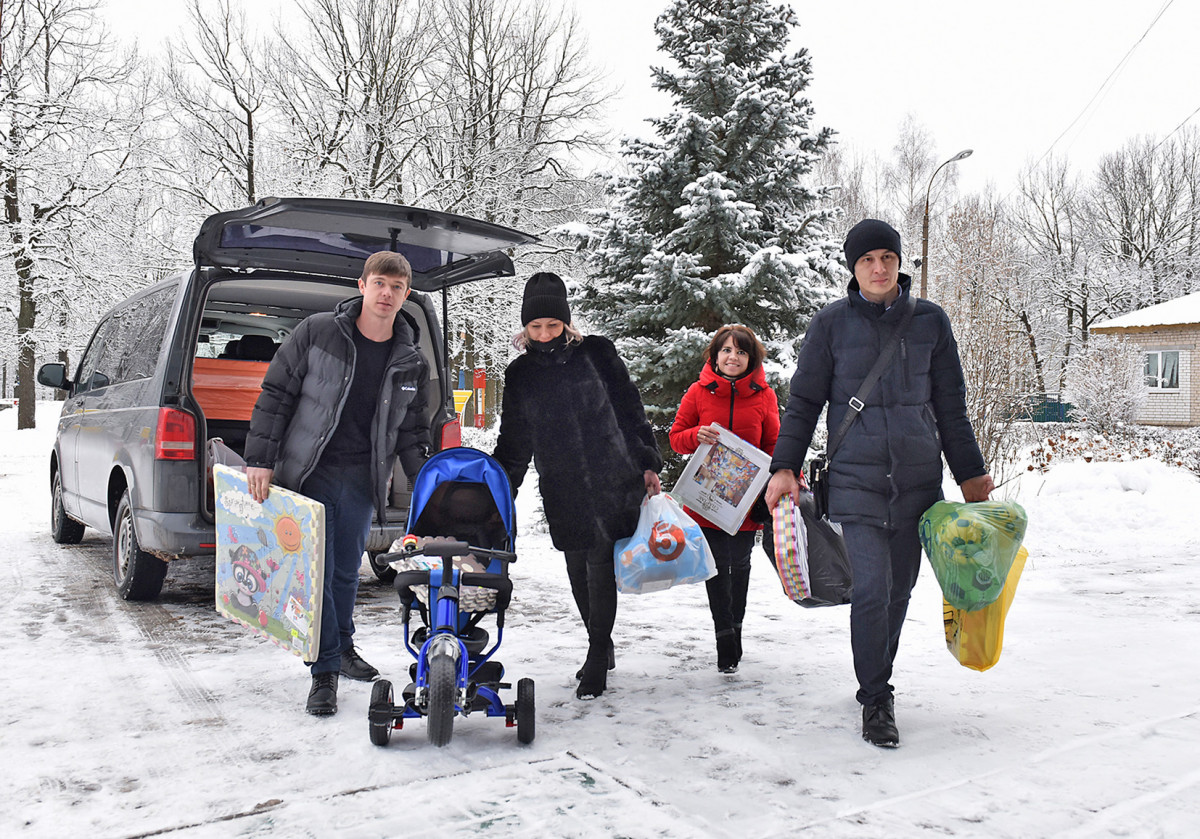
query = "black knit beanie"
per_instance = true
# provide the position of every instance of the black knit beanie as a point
(868, 235)
(545, 297)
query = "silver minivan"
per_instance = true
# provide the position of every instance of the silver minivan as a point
(177, 367)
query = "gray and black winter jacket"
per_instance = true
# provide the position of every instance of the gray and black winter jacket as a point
(888, 468)
(305, 389)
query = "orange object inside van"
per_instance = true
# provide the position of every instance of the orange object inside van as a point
(226, 388)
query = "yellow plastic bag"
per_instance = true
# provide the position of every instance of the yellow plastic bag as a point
(975, 638)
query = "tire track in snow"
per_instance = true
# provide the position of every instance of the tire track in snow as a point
(124, 627)
(523, 798)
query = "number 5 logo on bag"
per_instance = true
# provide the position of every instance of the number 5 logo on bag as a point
(666, 541)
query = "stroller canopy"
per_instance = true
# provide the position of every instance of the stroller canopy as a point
(463, 465)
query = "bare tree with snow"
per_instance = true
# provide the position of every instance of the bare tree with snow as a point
(349, 77)
(68, 137)
(219, 101)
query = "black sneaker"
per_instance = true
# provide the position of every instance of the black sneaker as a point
(322, 697)
(879, 725)
(353, 667)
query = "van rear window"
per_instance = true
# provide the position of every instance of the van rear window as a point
(423, 260)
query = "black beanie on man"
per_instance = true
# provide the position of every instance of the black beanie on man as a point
(545, 297)
(868, 235)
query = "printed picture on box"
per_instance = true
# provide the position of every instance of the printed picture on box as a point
(727, 474)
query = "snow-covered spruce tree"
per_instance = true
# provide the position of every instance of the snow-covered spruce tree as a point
(715, 222)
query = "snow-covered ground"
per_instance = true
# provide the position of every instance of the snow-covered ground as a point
(166, 719)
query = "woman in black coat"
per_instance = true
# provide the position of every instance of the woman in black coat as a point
(569, 404)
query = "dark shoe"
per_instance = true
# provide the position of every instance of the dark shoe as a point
(879, 725)
(353, 667)
(612, 662)
(592, 681)
(322, 697)
(727, 652)
(593, 676)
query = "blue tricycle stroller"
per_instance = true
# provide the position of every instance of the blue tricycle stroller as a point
(452, 568)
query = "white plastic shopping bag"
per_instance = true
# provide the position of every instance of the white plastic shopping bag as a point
(667, 549)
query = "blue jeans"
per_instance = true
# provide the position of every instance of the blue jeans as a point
(346, 493)
(885, 563)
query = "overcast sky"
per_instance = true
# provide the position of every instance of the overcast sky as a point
(1005, 78)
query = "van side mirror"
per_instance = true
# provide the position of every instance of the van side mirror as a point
(54, 375)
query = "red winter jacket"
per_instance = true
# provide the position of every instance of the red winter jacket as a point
(747, 407)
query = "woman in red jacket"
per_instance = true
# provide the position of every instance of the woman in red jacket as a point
(732, 393)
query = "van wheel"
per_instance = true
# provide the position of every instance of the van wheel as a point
(63, 529)
(384, 572)
(138, 575)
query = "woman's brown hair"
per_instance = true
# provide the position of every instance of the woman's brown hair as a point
(744, 339)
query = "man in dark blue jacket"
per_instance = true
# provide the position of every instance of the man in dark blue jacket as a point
(888, 469)
(340, 402)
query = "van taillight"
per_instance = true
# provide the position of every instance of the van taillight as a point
(451, 435)
(175, 437)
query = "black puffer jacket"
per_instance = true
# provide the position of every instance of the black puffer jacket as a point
(306, 387)
(889, 466)
(580, 418)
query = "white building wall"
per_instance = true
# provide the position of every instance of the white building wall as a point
(1182, 407)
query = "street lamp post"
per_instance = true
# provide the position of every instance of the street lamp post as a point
(965, 153)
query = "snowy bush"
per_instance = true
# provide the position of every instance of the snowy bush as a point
(1107, 383)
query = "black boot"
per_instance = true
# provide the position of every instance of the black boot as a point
(727, 657)
(593, 676)
(879, 725)
(353, 667)
(612, 661)
(739, 588)
(322, 696)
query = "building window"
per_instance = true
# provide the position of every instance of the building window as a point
(1162, 370)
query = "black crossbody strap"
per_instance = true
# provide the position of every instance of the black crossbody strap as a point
(858, 402)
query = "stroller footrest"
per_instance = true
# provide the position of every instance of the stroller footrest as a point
(488, 673)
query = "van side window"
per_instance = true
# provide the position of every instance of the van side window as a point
(141, 335)
(88, 366)
(111, 352)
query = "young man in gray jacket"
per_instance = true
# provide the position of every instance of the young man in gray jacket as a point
(888, 469)
(340, 402)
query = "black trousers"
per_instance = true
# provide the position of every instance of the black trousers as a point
(594, 586)
(727, 591)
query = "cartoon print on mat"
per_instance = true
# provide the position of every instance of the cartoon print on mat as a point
(270, 561)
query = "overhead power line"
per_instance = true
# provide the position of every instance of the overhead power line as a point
(1108, 81)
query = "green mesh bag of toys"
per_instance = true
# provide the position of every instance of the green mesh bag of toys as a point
(971, 548)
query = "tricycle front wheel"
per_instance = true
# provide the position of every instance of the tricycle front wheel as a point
(443, 688)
